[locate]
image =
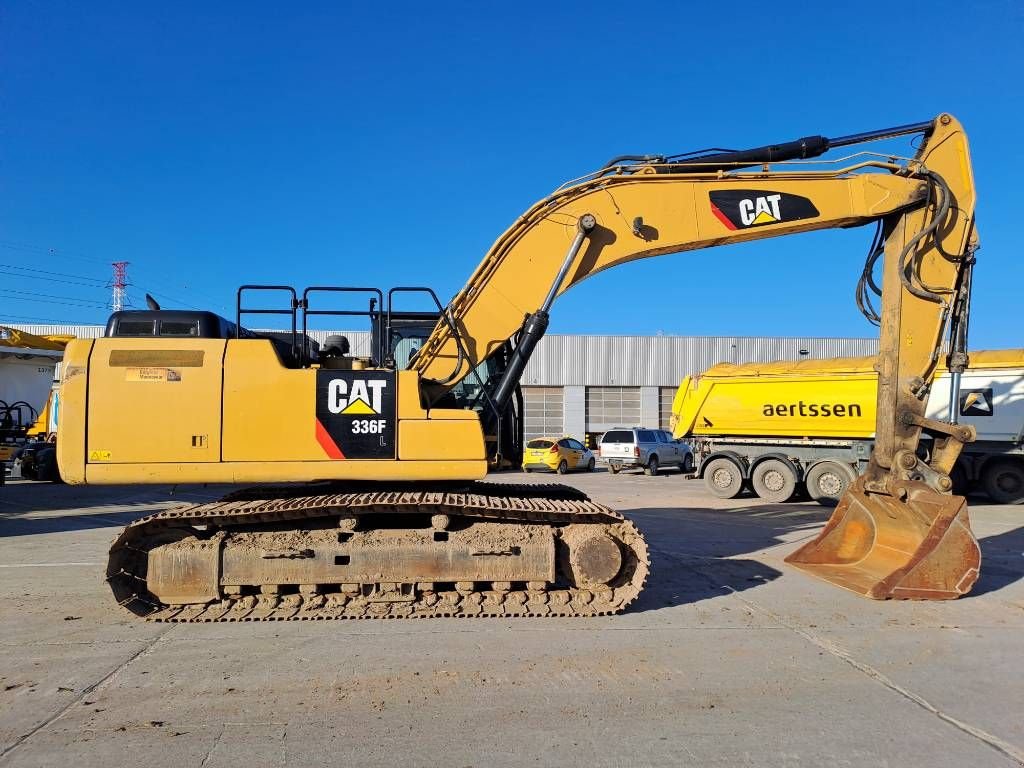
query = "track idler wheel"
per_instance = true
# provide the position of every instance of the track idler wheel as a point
(916, 544)
(595, 558)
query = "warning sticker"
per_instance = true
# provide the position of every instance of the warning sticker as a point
(151, 374)
(99, 455)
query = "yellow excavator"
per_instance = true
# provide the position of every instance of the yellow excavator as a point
(379, 509)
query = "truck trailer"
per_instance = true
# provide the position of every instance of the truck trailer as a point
(776, 426)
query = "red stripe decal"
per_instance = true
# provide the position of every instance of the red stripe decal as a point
(722, 217)
(327, 442)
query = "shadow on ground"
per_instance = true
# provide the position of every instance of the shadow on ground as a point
(29, 508)
(1002, 563)
(694, 552)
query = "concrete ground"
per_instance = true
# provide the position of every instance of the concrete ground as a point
(729, 658)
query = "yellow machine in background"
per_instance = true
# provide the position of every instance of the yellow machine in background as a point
(27, 364)
(407, 531)
(775, 425)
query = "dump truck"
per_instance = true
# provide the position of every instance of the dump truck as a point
(775, 426)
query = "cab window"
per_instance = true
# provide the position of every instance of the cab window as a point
(135, 327)
(179, 327)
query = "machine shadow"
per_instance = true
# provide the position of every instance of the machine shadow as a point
(694, 553)
(32, 508)
(1001, 561)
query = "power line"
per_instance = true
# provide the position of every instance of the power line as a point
(42, 297)
(145, 269)
(30, 248)
(168, 298)
(49, 320)
(51, 301)
(58, 274)
(51, 279)
(201, 294)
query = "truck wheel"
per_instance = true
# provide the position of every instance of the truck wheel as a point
(562, 467)
(774, 481)
(652, 466)
(1003, 481)
(723, 479)
(828, 481)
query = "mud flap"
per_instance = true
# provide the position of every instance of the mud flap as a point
(920, 547)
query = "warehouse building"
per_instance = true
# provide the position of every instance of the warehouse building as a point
(584, 385)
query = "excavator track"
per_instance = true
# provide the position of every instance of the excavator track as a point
(565, 521)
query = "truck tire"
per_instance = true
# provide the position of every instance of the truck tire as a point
(828, 481)
(723, 479)
(1003, 481)
(774, 481)
(652, 465)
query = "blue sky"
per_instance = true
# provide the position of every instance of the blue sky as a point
(364, 143)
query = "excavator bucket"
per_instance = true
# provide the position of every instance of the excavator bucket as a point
(920, 547)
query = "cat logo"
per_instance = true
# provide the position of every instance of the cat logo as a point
(355, 414)
(364, 399)
(760, 210)
(976, 402)
(745, 208)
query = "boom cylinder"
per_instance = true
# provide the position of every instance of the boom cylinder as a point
(537, 323)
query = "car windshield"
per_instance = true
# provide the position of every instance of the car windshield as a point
(539, 444)
(618, 436)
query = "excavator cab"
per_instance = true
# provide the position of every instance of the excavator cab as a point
(402, 334)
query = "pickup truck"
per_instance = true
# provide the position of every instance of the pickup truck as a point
(647, 449)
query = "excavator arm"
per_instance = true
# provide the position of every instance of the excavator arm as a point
(898, 532)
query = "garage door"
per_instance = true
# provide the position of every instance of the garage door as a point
(666, 396)
(543, 412)
(610, 407)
